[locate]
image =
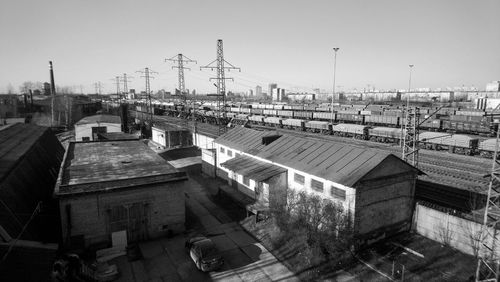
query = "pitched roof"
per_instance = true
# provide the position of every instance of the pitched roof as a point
(336, 162)
(100, 118)
(253, 168)
(244, 139)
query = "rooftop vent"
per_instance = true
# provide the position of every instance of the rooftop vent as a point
(266, 140)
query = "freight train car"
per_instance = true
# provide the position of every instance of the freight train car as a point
(385, 134)
(292, 123)
(456, 143)
(351, 130)
(316, 126)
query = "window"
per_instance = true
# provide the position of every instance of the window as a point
(337, 193)
(246, 180)
(222, 150)
(300, 179)
(85, 138)
(317, 185)
(229, 153)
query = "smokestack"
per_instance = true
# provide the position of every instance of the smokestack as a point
(52, 93)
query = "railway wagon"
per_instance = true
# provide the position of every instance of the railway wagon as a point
(382, 120)
(457, 143)
(322, 109)
(268, 112)
(385, 134)
(303, 114)
(256, 111)
(354, 118)
(351, 130)
(486, 148)
(285, 113)
(278, 107)
(324, 116)
(293, 107)
(432, 124)
(393, 112)
(234, 109)
(292, 123)
(256, 119)
(245, 110)
(476, 127)
(319, 126)
(238, 119)
(273, 121)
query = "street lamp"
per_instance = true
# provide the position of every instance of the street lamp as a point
(334, 71)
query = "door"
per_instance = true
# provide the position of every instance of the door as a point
(132, 218)
(96, 130)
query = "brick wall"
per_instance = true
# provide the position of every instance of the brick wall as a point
(90, 214)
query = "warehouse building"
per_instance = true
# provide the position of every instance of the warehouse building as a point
(105, 188)
(89, 128)
(30, 157)
(376, 187)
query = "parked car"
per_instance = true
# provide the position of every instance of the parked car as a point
(204, 253)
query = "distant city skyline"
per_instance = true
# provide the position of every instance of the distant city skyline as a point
(451, 43)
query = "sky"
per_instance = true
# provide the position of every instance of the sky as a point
(290, 42)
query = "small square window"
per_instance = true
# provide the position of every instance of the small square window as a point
(222, 150)
(246, 180)
(317, 185)
(300, 179)
(229, 153)
(337, 193)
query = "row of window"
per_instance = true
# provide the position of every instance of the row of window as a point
(229, 152)
(318, 186)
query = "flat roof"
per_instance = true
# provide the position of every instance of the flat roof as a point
(102, 166)
(100, 118)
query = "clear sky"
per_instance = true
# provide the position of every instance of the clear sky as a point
(450, 42)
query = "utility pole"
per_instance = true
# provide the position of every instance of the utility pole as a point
(117, 82)
(221, 84)
(334, 73)
(149, 106)
(488, 261)
(52, 93)
(181, 60)
(410, 132)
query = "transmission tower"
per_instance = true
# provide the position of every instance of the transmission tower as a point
(117, 82)
(98, 87)
(149, 105)
(221, 84)
(181, 60)
(488, 260)
(125, 81)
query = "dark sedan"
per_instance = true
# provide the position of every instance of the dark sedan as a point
(204, 253)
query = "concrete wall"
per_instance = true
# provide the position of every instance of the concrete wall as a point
(90, 214)
(208, 162)
(85, 130)
(202, 141)
(457, 232)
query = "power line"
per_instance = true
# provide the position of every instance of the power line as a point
(125, 81)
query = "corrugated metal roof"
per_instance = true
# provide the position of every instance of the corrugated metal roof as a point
(336, 162)
(244, 139)
(253, 168)
(100, 118)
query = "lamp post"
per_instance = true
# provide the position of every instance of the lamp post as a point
(334, 71)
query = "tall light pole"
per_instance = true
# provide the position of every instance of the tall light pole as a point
(334, 71)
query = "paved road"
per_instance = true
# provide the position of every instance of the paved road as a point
(167, 260)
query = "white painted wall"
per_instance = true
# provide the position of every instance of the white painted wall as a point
(85, 130)
(158, 136)
(202, 141)
(457, 232)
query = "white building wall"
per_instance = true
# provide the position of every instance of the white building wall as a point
(158, 136)
(202, 141)
(85, 130)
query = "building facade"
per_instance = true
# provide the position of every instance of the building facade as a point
(89, 128)
(109, 187)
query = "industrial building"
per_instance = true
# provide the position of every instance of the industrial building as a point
(376, 187)
(30, 157)
(169, 136)
(105, 188)
(89, 128)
